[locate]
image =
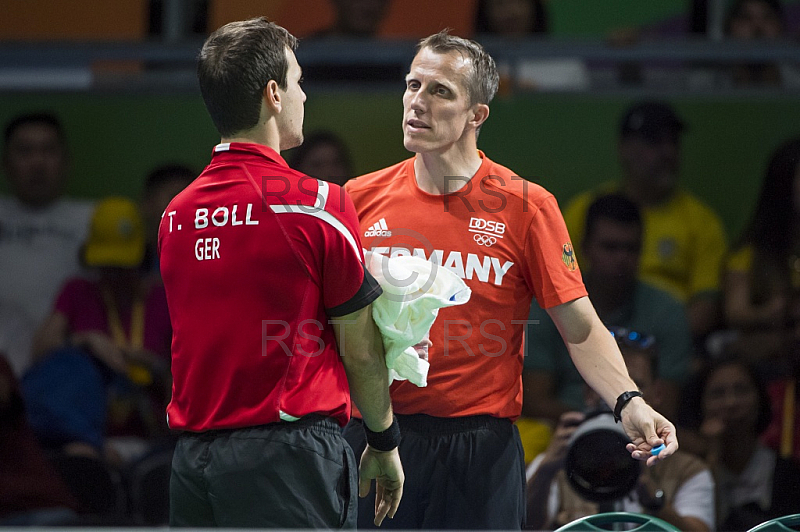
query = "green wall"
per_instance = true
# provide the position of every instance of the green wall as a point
(564, 142)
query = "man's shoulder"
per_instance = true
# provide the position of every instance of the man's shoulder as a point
(501, 179)
(655, 296)
(377, 178)
(686, 203)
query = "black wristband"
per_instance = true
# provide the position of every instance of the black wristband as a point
(622, 400)
(386, 440)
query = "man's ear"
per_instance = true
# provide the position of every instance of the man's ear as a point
(272, 97)
(480, 112)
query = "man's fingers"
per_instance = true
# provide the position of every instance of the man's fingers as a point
(396, 496)
(381, 505)
(386, 503)
(363, 485)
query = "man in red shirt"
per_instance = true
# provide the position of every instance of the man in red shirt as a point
(507, 239)
(266, 287)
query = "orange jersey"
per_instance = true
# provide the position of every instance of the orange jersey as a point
(507, 239)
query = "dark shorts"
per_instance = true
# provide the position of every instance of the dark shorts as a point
(281, 475)
(465, 473)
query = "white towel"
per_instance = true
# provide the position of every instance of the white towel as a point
(414, 289)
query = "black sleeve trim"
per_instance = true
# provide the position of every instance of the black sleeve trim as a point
(367, 293)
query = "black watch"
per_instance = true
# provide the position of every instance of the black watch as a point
(623, 399)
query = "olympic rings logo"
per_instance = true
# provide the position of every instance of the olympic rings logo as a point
(484, 240)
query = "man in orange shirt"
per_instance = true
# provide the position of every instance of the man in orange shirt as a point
(507, 239)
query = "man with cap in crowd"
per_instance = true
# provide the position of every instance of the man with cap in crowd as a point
(684, 240)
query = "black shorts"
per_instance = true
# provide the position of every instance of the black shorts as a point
(465, 473)
(281, 475)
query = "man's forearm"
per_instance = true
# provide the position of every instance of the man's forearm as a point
(361, 349)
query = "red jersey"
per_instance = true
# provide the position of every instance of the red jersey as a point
(256, 258)
(507, 239)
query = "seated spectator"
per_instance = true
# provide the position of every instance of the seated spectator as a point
(116, 321)
(515, 19)
(762, 294)
(356, 18)
(323, 155)
(16, 334)
(611, 250)
(762, 278)
(681, 493)
(40, 230)
(684, 241)
(759, 20)
(31, 492)
(731, 410)
(162, 184)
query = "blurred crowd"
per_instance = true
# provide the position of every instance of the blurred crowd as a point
(708, 322)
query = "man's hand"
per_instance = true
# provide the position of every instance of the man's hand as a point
(647, 429)
(386, 469)
(423, 346)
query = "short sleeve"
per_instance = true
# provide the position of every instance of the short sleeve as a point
(553, 273)
(346, 284)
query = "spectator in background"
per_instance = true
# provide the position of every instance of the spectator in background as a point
(684, 241)
(323, 155)
(762, 293)
(686, 487)
(162, 184)
(759, 20)
(511, 18)
(731, 410)
(40, 230)
(612, 246)
(516, 19)
(762, 278)
(16, 335)
(118, 321)
(356, 18)
(31, 492)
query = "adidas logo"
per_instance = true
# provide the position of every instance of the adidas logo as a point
(379, 228)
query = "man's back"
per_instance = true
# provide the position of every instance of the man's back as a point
(253, 266)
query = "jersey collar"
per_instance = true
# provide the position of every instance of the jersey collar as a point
(248, 148)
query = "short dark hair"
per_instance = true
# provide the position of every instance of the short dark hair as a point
(235, 64)
(47, 119)
(614, 207)
(167, 173)
(483, 80)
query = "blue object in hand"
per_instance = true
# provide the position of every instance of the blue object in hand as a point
(655, 450)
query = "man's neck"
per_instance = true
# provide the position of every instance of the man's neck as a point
(445, 173)
(266, 136)
(643, 195)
